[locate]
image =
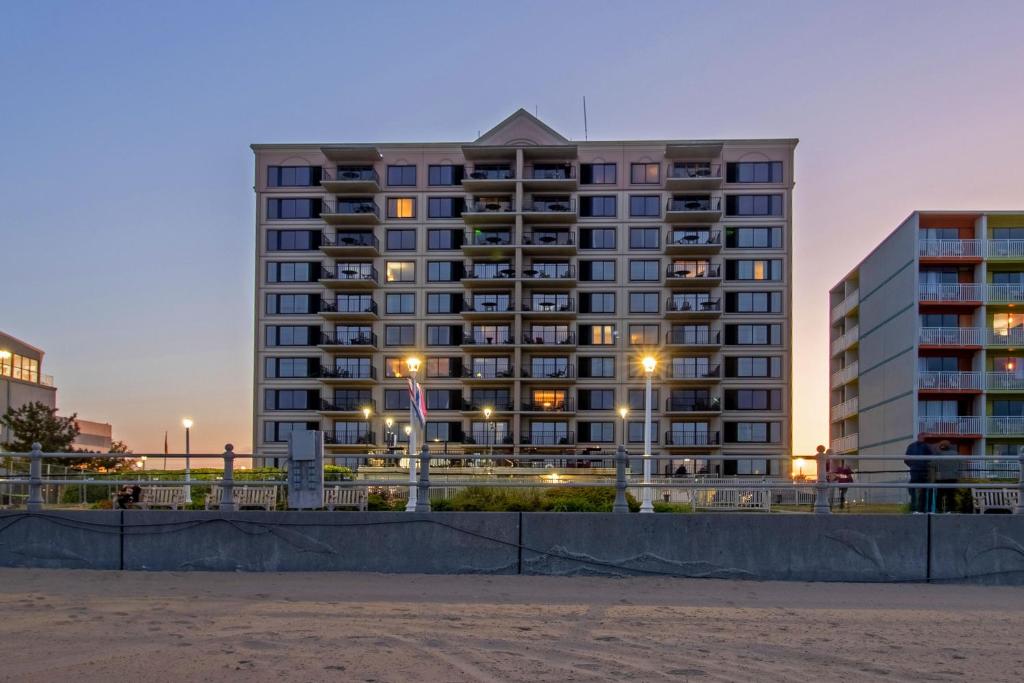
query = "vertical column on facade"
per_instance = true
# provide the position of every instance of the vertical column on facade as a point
(981, 321)
(515, 424)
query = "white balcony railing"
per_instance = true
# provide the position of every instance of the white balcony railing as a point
(1004, 293)
(845, 409)
(840, 344)
(950, 381)
(1004, 426)
(1003, 381)
(1013, 337)
(845, 444)
(851, 301)
(952, 424)
(841, 377)
(951, 291)
(1005, 249)
(952, 248)
(952, 336)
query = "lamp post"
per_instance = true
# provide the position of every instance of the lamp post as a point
(624, 413)
(490, 428)
(413, 364)
(187, 424)
(649, 363)
(388, 423)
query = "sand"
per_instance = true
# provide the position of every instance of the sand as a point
(92, 626)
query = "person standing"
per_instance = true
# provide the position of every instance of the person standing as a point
(918, 473)
(946, 472)
(843, 475)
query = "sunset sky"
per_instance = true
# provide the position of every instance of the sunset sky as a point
(126, 241)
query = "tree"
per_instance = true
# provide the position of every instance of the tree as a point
(119, 447)
(37, 422)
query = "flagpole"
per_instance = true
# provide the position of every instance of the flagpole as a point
(413, 364)
(165, 450)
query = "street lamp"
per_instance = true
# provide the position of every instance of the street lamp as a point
(624, 413)
(649, 363)
(413, 364)
(490, 427)
(388, 423)
(187, 424)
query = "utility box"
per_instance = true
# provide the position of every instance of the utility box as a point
(305, 470)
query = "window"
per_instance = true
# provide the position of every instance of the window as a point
(447, 174)
(443, 240)
(692, 334)
(401, 304)
(597, 271)
(443, 303)
(753, 366)
(357, 368)
(644, 335)
(645, 174)
(290, 367)
(602, 206)
(753, 399)
(396, 399)
(635, 398)
(596, 399)
(402, 176)
(444, 367)
(401, 207)
(643, 302)
(293, 209)
(400, 335)
(597, 366)
(492, 367)
(401, 240)
(753, 432)
(443, 399)
(351, 399)
(293, 240)
(647, 270)
(597, 335)
(442, 431)
(445, 207)
(753, 334)
(395, 367)
(597, 238)
(635, 432)
(644, 205)
(277, 432)
(292, 304)
(293, 176)
(753, 205)
(753, 172)
(400, 271)
(292, 335)
(753, 302)
(283, 271)
(443, 335)
(443, 271)
(644, 238)
(597, 432)
(753, 238)
(597, 174)
(753, 269)
(550, 366)
(597, 302)
(291, 399)
(691, 367)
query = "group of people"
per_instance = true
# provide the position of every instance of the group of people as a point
(938, 471)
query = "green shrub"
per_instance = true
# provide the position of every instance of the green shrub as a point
(559, 499)
(72, 493)
(662, 506)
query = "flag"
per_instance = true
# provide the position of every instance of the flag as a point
(417, 402)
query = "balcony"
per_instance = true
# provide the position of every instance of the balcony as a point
(693, 337)
(1004, 426)
(489, 178)
(846, 340)
(549, 177)
(954, 425)
(567, 371)
(488, 275)
(970, 292)
(342, 341)
(561, 339)
(1006, 338)
(350, 244)
(471, 406)
(845, 409)
(548, 439)
(699, 274)
(487, 373)
(684, 176)
(555, 241)
(348, 276)
(1004, 294)
(675, 308)
(487, 339)
(492, 210)
(708, 405)
(845, 444)
(845, 375)
(351, 310)
(693, 209)
(844, 307)
(693, 241)
(489, 242)
(361, 374)
(561, 210)
(1003, 381)
(681, 439)
(549, 275)
(951, 249)
(1005, 249)
(560, 308)
(693, 374)
(950, 381)
(951, 336)
(350, 212)
(563, 406)
(487, 308)
(349, 406)
(351, 179)
(349, 439)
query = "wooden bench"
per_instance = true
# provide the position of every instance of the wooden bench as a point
(994, 499)
(345, 497)
(152, 497)
(264, 497)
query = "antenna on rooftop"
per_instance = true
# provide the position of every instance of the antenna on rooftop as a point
(586, 134)
(535, 114)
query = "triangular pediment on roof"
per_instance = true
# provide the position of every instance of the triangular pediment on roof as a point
(521, 129)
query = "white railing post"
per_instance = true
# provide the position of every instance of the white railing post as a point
(423, 499)
(227, 498)
(821, 506)
(621, 504)
(35, 479)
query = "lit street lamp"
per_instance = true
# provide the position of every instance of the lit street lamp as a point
(187, 424)
(649, 363)
(388, 423)
(494, 434)
(413, 365)
(624, 413)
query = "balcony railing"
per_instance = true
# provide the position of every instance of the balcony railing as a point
(346, 272)
(952, 336)
(351, 239)
(566, 371)
(845, 409)
(491, 206)
(563, 406)
(846, 340)
(346, 406)
(951, 292)
(1011, 337)
(845, 444)
(484, 238)
(679, 306)
(548, 438)
(349, 207)
(347, 439)
(694, 204)
(844, 375)
(711, 271)
(491, 174)
(480, 271)
(483, 338)
(358, 372)
(680, 438)
(951, 248)
(348, 339)
(693, 405)
(347, 307)
(851, 301)
(954, 424)
(1000, 293)
(1004, 426)
(695, 337)
(488, 372)
(549, 238)
(1005, 248)
(950, 381)
(1004, 381)
(548, 337)
(693, 238)
(486, 306)
(693, 170)
(545, 306)
(550, 172)
(549, 271)
(504, 406)
(695, 373)
(352, 173)
(550, 205)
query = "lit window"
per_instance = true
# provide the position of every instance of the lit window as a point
(401, 207)
(401, 271)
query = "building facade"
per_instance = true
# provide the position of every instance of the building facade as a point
(530, 273)
(927, 336)
(21, 378)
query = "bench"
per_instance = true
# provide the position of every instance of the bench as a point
(264, 497)
(994, 499)
(345, 497)
(152, 497)
(732, 499)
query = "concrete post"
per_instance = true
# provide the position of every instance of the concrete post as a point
(227, 496)
(423, 495)
(1019, 510)
(821, 486)
(621, 504)
(35, 479)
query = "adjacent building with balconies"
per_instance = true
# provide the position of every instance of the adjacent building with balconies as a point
(928, 337)
(530, 273)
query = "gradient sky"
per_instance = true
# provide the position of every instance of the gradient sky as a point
(126, 239)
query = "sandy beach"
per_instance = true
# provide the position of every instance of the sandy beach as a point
(89, 626)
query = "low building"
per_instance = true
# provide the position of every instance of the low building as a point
(21, 378)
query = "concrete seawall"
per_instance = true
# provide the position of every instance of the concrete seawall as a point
(955, 548)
